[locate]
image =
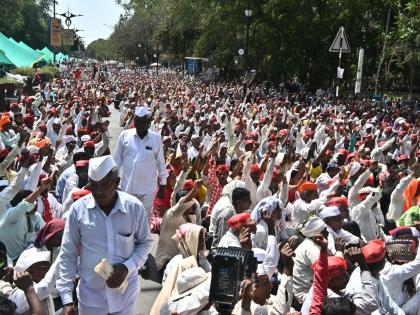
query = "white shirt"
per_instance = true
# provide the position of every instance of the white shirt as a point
(396, 206)
(393, 277)
(121, 237)
(378, 295)
(230, 240)
(141, 162)
(347, 238)
(305, 255)
(303, 210)
(367, 217)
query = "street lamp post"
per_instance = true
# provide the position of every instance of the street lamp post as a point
(156, 58)
(248, 15)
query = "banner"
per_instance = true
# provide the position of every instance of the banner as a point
(68, 37)
(55, 32)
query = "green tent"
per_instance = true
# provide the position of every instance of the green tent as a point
(22, 44)
(18, 55)
(13, 41)
(61, 57)
(48, 54)
(3, 59)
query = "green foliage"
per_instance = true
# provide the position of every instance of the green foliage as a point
(30, 72)
(26, 71)
(50, 70)
(10, 81)
(26, 20)
(288, 39)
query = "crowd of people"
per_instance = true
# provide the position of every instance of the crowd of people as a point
(325, 192)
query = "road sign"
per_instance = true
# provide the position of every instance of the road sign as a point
(340, 43)
(68, 37)
(55, 32)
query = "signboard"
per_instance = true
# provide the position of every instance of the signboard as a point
(68, 37)
(340, 43)
(55, 32)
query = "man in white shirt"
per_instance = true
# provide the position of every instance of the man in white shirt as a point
(111, 225)
(139, 156)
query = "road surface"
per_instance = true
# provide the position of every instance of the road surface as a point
(149, 289)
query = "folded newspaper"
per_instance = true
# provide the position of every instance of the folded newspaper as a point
(105, 270)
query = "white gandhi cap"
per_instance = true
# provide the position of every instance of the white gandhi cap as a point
(141, 111)
(100, 167)
(329, 212)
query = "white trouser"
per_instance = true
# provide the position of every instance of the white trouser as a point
(88, 310)
(147, 201)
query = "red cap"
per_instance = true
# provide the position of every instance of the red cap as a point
(307, 186)
(388, 129)
(89, 144)
(402, 133)
(337, 202)
(403, 157)
(374, 251)
(255, 168)
(80, 193)
(239, 220)
(343, 151)
(351, 155)
(189, 184)
(222, 168)
(249, 142)
(365, 162)
(82, 163)
(43, 128)
(53, 110)
(4, 153)
(413, 136)
(14, 105)
(283, 132)
(337, 266)
(401, 230)
(359, 143)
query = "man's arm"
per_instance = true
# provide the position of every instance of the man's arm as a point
(161, 166)
(103, 145)
(9, 159)
(10, 191)
(119, 151)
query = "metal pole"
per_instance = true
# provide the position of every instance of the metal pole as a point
(339, 62)
(358, 85)
(50, 32)
(246, 54)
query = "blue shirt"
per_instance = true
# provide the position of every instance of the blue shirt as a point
(14, 228)
(61, 182)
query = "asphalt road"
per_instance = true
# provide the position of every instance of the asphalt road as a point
(149, 289)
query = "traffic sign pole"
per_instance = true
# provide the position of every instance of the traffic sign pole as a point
(339, 63)
(340, 45)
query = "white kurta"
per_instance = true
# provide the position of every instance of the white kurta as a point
(121, 237)
(140, 161)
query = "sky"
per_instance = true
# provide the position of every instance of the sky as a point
(99, 17)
